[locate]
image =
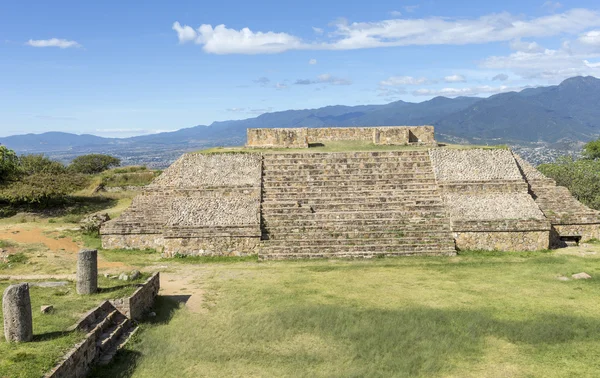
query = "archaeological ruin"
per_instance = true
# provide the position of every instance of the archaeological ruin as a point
(280, 200)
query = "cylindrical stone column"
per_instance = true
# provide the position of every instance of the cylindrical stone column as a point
(16, 308)
(87, 271)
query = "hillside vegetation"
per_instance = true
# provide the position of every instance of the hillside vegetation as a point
(580, 176)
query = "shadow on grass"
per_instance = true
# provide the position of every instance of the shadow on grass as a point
(50, 335)
(116, 288)
(122, 365)
(165, 307)
(416, 341)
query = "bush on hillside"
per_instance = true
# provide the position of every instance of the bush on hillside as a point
(581, 177)
(41, 189)
(591, 151)
(39, 164)
(9, 164)
(93, 163)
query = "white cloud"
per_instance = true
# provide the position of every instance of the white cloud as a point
(185, 33)
(395, 13)
(591, 65)
(455, 79)
(236, 110)
(262, 81)
(500, 77)
(312, 61)
(519, 45)
(221, 40)
(318, 30)
(471, 91)
(548, 64)
(53, 42)
(496, 27)
(552, 5)
(324, 79)
(403, 80)
(281, 86)
(590, 38)
(410, 8)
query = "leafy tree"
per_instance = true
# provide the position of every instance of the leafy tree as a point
(581, 177)
(42, 189)
(35, 164)
(9, 163)
(93, 163)
(591, 151)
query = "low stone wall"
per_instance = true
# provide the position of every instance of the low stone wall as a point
(78, 362)
(132, 241)
(328, 134)
(214, 246)
(503, 241)
(586, 231)
(302, 137)
(135, 306)
(283, 138)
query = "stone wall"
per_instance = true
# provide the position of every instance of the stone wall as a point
(195, 170)
(328, 134)
(283, 138)
(488, 201)
(586, 231)
(502, 241)
(197, 192)
(302, 137)
(453, 165)
(135, 306)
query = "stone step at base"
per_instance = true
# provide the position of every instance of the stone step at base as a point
(339, 207)
(107, 356)
(393, 177)
(422, 212)
(266, 247)
(354, 255)
(347, 155)
(319, 233)
(323, 186)
(111, 335)
(334, 196)
(357, 224)
(339, 243)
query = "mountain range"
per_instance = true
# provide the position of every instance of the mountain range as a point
(569, 111)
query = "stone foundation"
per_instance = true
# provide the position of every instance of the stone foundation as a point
(133, 241)
(220, 246)
(302, 137)
(503, 241)
(586, 231)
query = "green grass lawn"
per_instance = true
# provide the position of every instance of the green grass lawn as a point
(51, 341)
(475, 315)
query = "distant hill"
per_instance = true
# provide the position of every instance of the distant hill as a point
(569, 111)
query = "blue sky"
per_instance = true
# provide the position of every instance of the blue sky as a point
(122, 68)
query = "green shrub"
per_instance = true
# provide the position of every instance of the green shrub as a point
(39, 164)
(581, 177)
(93, 163)
(591, 150)
(41, 190)
(9, 163)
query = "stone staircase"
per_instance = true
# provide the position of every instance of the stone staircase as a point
(112, 330)
(358, 204)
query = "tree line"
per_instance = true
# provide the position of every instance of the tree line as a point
(39, 182)
(580, 176)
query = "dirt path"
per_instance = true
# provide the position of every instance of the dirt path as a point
(66, 247)
(178, 282)
(181, 286)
